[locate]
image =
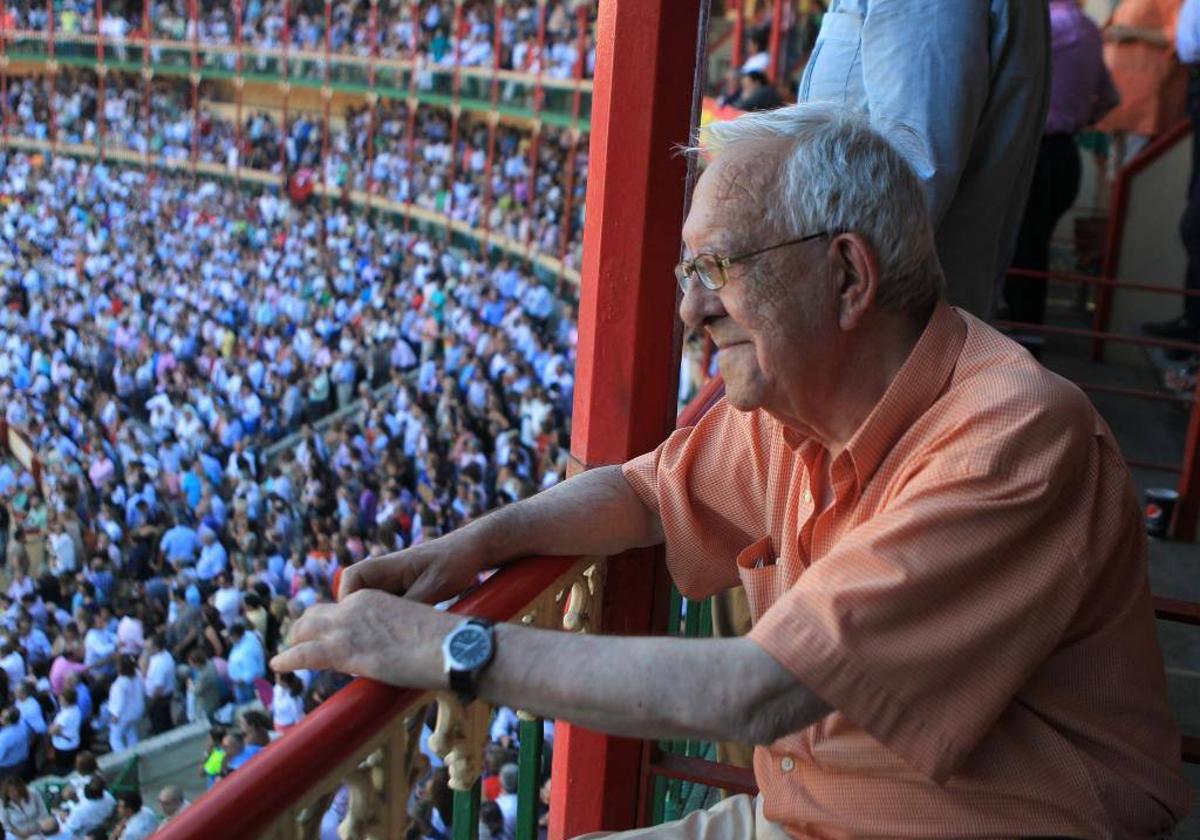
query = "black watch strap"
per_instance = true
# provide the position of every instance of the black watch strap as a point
(465, 684)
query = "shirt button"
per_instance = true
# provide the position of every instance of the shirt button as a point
(808, 497)
(788, 764)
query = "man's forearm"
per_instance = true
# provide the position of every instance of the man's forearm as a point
(650, 687)
(563, 520)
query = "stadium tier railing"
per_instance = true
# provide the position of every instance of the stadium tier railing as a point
(270, 180)
(348, 73)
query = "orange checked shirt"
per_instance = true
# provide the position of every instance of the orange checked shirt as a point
(973, 602)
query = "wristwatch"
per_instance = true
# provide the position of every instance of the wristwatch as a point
(466, 651)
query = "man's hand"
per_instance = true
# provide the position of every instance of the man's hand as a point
(371, 634)
(430, 572)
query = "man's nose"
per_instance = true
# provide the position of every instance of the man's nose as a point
(698, 305)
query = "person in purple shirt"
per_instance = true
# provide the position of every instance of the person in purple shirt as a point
(1081, 92)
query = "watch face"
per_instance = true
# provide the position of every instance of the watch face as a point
(469, 648)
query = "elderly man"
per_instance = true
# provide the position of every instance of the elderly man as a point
(944, 555)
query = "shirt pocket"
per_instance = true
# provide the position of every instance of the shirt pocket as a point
(759, 573)
(834, 71)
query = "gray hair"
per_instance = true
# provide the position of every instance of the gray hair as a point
(839, 173)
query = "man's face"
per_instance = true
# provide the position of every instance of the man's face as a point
(168, 805)
(773, 317)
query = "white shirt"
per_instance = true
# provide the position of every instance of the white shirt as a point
(97, 645)
(127, 700)
(286, 708)
(69, 719)
(89, 814)
(160, 675)
(140, 826)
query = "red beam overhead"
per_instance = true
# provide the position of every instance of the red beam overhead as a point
(628, 354)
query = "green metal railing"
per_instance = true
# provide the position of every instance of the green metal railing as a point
(347, 74)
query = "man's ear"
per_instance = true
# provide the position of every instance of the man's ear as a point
(858, 287)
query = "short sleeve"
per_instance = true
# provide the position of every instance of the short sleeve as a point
(706, 483)
(924, 622)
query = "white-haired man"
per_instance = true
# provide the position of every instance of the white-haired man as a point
(945, 559)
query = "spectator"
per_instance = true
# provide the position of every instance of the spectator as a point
(23, 809)
(171, 802)
(65, 731)
(14, 744)
(247, 664)
(92, 811)
(287, 701)
(1139, 50)
(126, 706)
(136, 821)
(1081, 92)
(158, 681)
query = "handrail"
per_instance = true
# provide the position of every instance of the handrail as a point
(1119, 210)
(250, 801)
(516, 249)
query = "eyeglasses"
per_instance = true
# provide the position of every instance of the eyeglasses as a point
(709, 269)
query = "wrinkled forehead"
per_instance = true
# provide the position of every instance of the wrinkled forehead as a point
(732, 198)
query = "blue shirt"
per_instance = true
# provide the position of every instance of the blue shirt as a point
(248, 752)
(246, 661)
(970, 81)
(1187, 32)
(180, 544)
(14, 744)
(213, 560)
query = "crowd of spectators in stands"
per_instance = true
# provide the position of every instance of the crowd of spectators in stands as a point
(264, 26)
(439, 179)
(157, 342)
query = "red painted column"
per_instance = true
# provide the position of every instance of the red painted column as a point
(573, 152)
(535, 138)
(413, 104)
(372, 98)
(101, 72)
(52, 76)
(628, 354)
(739, 35)
(493, 121)
(147, 92)
(239, 82)
(285, 92)
(194, 18)
(3, 89)
(776, 36)
(455, 113)
(326, 99)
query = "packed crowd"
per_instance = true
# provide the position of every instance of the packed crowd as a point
(156, 339)
(440, 179)
(430, 31)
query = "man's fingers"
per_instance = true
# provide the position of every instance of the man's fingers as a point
(425, 588)
(313, 656)
(313, 623)
(385, 572)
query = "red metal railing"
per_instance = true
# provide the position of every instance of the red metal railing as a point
(1187, 511)
(249, 802)
(1118, 215)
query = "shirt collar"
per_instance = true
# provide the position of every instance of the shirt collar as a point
(919, 382)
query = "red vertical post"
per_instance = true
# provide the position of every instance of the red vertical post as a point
(413, 104)
(147, 91)
(535, 138)
(569, 195)
(493, 121)
(1187, 511)
(776, 40)
(326, 99)
(372, 99)
(101, 72)
(3, 82)
(285, 91)
(455, 113)
(194, 22)
(52, 76)
(628, 356)
(238, 84)
(739, 34)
